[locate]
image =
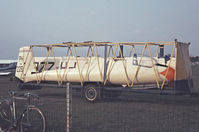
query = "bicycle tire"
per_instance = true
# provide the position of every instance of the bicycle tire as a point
(5, 111)
(32, 120)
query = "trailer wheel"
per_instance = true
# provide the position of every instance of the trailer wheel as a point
(91, 93)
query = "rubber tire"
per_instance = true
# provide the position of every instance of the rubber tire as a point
(91, 93)
(25, 125)
(5, 114)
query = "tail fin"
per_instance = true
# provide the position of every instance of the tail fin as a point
(25, 59)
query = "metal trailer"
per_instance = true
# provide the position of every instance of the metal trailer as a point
(94, 74)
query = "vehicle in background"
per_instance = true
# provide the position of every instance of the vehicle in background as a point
(8, 68)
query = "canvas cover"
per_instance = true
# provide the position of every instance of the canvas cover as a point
(183, 64)
(183, 79)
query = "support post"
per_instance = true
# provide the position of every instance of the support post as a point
(105, 64)
(176, 57)
(161, 55)
(121, 53)
(68, 108)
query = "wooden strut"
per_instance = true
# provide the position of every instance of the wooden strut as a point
(80, 75)
(110, 49)
(93, 47)
(34, 64)
(110, 67)
(88, 51)
(131, 51)
(56, 68)
(168, 68)
(155, 71)
(68, 55)
(157, 50)
(98, 63)
(104, 43)
(90, 59)
(40, 78)
(138, 65)
(124, 66)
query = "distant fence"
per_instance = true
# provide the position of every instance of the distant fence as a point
(136, 112)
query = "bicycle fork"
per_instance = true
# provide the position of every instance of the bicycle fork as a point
(13, 111)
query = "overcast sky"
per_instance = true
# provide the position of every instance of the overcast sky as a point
(25, 22)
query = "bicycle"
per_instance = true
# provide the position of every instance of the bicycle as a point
(31, 120)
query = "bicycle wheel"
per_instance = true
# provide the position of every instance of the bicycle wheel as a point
(5, 111)
(32, 120)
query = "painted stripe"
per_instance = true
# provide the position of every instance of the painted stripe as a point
(170, 74)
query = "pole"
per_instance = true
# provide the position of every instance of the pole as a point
(105, 64)
(68, 108)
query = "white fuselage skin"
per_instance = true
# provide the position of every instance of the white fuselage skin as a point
(86, 69)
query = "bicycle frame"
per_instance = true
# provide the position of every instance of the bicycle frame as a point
(13, 108)
(23, 120)
(13, 111)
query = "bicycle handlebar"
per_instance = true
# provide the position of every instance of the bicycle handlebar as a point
(27, 95)
(14, 93)
(31, 94)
